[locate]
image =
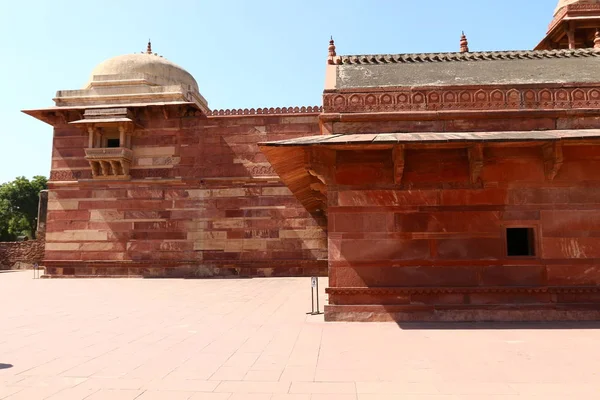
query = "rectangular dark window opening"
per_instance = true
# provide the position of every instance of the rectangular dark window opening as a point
(520, 242)
(112, 143)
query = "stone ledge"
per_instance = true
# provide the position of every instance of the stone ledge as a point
(520, 313)
(183, 269)
(461, 290)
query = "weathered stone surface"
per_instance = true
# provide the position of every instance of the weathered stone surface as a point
(212, 214)
(18, 255)
(433, 246)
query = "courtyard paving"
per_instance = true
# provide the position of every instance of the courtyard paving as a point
(251, 339)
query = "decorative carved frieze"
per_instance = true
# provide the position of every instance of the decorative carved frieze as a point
(272, 110)
(425, 99)
(261, 170)
(575, 9)
(69, 175)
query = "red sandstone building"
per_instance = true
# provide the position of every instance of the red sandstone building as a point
(451, 186)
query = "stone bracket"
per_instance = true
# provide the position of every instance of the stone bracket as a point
(319, 187)
(553, 159)
(475, 162)
(320, 163)
(63, 116)
(398, 158)
(320, 166)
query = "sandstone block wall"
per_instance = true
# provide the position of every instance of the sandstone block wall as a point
(438, 242)
(19, 255)
(434, 246)
(202, 201)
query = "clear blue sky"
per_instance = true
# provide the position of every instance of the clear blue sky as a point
(242, 53)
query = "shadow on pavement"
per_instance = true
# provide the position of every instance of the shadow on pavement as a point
(500, 325)
(198, 277)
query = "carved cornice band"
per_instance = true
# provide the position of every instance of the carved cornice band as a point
(576, 8)
(424, 99)
(272, 110)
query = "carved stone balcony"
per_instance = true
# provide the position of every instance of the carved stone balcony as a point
(109, 162)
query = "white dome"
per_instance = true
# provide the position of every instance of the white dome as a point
(147, 64)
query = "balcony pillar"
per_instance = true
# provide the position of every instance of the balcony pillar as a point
(121, 136)
(91, 132)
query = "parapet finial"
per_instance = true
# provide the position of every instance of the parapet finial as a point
(332, 53)
(464, 43)
(597, 40)
(149, 47)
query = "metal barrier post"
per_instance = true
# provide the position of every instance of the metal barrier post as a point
(317, 289)
(314, 286)
(312, 299)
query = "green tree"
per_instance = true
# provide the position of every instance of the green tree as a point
(4, 222)
(19, 206)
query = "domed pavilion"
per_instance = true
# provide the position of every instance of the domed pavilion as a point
(140, 78)
(574, 25)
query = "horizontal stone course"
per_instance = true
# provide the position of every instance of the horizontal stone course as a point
(185, 268)
(426, 239)
(233, 218)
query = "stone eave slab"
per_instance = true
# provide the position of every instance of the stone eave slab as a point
(101, 120)
(436, 137)
(43, 114)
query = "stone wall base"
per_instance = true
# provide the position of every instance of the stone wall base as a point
(287, 268)
(21, 255)
(496, 313)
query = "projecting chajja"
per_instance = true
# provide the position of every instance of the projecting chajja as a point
(564, 3)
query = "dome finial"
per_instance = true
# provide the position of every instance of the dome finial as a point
(464, 43)
(149, 47)
(332, 52)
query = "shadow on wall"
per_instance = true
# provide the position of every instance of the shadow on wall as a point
(5, 366)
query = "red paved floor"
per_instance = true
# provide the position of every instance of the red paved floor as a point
(251, 339)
